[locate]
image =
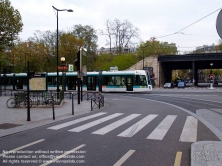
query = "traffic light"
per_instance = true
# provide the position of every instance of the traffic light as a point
(77, 61)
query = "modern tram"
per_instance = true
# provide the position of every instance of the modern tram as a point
(103, 81)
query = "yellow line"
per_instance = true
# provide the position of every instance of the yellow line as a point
(178, 159)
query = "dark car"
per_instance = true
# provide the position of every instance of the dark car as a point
(181, 84)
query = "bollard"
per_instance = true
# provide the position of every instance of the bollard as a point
(72, 105)
(99, 102)
(91, 104)
(53, 111)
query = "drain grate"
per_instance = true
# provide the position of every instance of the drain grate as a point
(8, 125)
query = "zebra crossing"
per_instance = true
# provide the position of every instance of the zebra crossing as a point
(188, 133)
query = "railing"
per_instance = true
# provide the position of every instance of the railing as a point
(97, 101)
(43, 98)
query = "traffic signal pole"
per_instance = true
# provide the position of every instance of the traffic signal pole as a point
(28, 101)
(78, 65)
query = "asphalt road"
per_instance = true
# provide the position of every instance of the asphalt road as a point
(133, 129)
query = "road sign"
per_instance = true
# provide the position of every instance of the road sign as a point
(62, 67)
(219, 24)
(70, 68)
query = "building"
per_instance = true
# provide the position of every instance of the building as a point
(207, 49)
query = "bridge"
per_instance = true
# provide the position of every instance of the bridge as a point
(163, 65)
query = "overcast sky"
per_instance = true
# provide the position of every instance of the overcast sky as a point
(154, 18)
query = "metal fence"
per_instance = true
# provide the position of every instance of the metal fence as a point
(44, 98)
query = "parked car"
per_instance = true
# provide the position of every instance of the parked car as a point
(181, 84)
(168, 85)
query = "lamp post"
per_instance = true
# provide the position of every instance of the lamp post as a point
(211, 64)
(57, 43)
(211, 77)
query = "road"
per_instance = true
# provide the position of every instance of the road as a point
(133, 129)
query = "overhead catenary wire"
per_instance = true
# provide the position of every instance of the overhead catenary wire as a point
(190, 24)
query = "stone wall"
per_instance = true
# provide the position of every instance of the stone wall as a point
(150, 61)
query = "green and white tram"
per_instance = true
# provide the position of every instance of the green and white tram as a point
(103, 81)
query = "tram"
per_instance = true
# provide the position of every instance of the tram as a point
(103, 81)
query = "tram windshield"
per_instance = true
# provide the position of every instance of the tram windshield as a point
(141, 80)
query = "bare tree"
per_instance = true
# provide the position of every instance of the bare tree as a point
(108, 34)
(120, 33)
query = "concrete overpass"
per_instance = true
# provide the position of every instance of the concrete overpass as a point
(163, 65)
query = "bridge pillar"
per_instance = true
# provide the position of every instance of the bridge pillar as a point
(194, 71)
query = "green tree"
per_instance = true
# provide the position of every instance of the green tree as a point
(69, 46)
(122, 61)
(10, 24)
(90, 38)
(154, 47)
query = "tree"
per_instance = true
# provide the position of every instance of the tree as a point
(69, 46)
(120, 33)
(90, 38)
(10, 24)
(155, 47)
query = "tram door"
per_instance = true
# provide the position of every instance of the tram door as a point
(71, 81)
(19, 82)
(91, 82)
(129, 83)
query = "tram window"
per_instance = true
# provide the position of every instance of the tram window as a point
(109, 80)
(120, 80)
(140, 80)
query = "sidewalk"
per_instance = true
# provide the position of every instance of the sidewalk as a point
(13, 120)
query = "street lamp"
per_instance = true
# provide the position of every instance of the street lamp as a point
(211, 64)
(63, 59)
(57, 43)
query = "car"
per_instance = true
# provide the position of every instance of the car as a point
(168, 85)
(181, 84)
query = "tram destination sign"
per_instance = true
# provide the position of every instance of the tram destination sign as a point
(149, 70)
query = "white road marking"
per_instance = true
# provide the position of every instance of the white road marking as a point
(21, 147)
(124, 158)
(94, 123)
(114, 125)
(137, 126)
(160, 131)
(189, 133)
(63, 155)
(75, 121)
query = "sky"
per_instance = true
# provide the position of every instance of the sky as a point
(154, 18)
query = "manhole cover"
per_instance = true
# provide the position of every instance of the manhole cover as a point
(8, 125)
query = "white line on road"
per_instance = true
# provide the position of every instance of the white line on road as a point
(114, 125)
(160, 131)
(189, 133)
(21, 147)
(124, 158)
(63, 155)
(137, 126)
(94, 123)
(75, 121)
